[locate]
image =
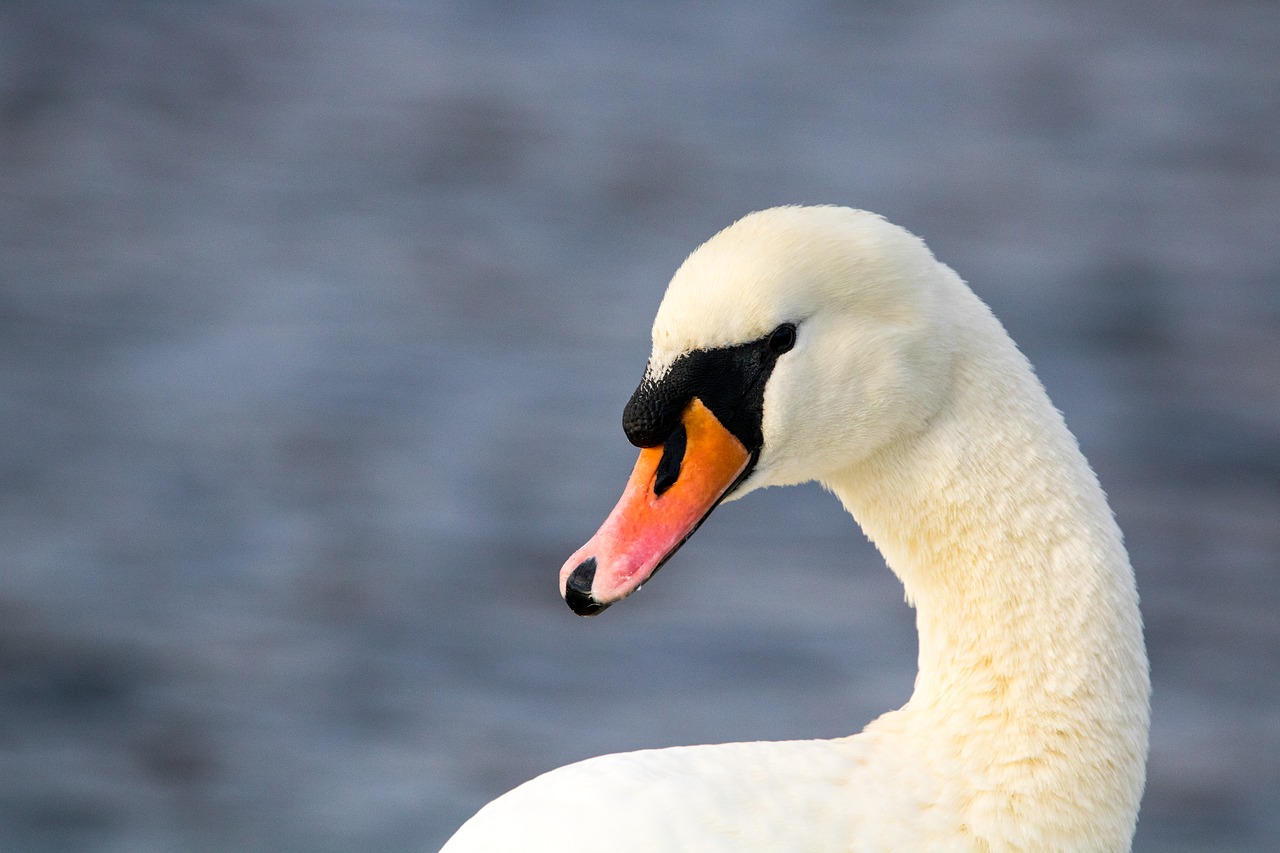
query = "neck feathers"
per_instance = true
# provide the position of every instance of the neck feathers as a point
(1033, 675)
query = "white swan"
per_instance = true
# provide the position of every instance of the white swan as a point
(827, 344)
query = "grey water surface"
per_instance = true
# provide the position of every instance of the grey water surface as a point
(316, 324)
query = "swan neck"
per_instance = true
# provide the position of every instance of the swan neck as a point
(1030, 639)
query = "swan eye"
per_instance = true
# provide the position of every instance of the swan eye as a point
(782, 339)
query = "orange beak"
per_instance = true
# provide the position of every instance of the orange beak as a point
(671, 490)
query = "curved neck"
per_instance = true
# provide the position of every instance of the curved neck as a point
(1032, 672)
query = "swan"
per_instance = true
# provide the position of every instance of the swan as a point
(824, 343)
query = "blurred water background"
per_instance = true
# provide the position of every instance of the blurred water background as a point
(316, 324)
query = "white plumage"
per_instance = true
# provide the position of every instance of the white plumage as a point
(904, 396)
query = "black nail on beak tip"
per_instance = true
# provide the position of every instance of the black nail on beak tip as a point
(577, 590)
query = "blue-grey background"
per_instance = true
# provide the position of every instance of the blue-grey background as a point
(316, 323)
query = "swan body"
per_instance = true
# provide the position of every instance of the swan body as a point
(873, 369)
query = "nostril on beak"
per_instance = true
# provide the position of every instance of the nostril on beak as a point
(672, 458)
(577, 589)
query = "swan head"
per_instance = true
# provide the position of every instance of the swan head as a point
(790, 346)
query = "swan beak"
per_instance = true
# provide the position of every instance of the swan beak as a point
(673, 487)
